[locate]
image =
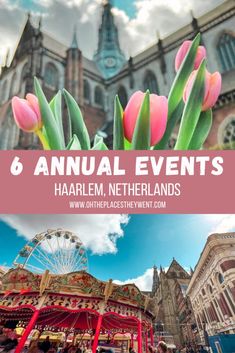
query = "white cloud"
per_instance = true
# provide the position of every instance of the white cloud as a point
(99, 233)
(223, 223)
(143, 282)
(135, 34)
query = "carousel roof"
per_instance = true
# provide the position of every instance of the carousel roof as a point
(73, 301)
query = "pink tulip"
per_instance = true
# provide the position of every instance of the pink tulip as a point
(27, 113)
(213, 84)
(183, 50)
(158, 116)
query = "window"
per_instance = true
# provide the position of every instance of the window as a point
(9, 132)
(209, 289)
(3, 93)
(87, 91)
(99, 99)
(184, 288)
(226, 133)
(24, 72)
(122, 96)
(226, 51)
(220, 278)
(51, 76)
(150, 82)
(13, 88)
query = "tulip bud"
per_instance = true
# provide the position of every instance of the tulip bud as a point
(158, 116)
(182, 52)
(27, 113)
(213, 84)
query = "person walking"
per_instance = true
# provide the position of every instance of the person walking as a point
(46, 345)
(162, 347)
(34, 347)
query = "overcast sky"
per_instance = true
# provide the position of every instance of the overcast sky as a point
(137, 20)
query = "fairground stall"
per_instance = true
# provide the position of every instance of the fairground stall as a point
(76, 304)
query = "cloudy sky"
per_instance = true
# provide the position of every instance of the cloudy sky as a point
(121, 247)
(137, 20)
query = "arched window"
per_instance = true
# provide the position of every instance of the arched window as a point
(220, 278)
(122, 96)
(87, 91)
(99, 99)
(24, 73)
(51, 76)
(226, 133)
(150, 82)
(13, 87)
(3, 93)
(226, 51)
(209, 288)
(201, 301)
(9, 132)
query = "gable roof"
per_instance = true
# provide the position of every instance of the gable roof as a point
(176, 268)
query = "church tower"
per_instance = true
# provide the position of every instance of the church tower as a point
(155, 280)
(109, 58)
(74, 71)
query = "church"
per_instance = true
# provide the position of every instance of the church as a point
(94, 83)
(175, 322)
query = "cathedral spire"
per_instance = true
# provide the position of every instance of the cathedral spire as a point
(155, 279)
(109, 58)
(74, 44)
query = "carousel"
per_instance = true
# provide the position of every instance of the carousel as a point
(50, 290)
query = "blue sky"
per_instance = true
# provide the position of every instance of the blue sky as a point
(126, 5)
(146, 240)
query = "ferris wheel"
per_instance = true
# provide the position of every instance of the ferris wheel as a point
(58, 251)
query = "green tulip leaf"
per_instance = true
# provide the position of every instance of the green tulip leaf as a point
(171, 123)
(97, 139)
(118, 133)
(74, 144)
(192, 110)
(49, 122)
(55, 105)
(141, 136)
(77, 121)
(177, 90)
(202, 130)
(100, 146)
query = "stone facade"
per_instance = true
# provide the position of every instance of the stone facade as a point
(94, 83)
(175, 322)
(212, 287)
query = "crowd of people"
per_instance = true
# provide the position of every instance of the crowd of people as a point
(37, 346)
(163, 348)
(9, 341)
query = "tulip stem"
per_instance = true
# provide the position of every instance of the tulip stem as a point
(43, 140)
